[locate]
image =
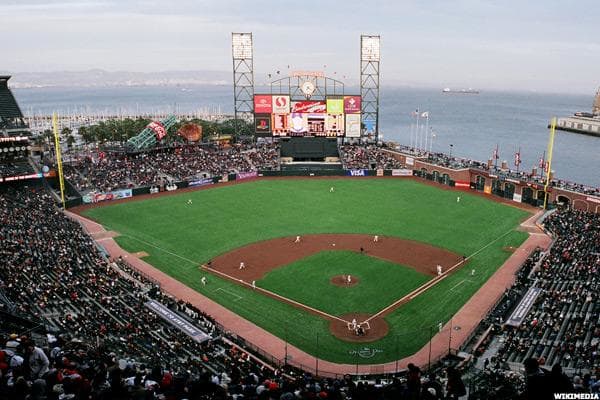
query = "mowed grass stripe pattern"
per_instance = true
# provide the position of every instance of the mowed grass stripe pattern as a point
(307, 281)
(224, 218)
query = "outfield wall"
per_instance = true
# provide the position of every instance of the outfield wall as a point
(478, 180)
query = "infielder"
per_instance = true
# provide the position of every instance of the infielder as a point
(253, 284)
(242, 265)
(297, 239)
(439, 270)
(349, 279)
(376, 238)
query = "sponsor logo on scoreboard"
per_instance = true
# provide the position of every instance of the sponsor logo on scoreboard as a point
(335, 106)
(352, 104)
(353, 125)
(263, 104)
(281, 104)
(309, 107)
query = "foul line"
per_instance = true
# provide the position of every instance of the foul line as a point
(269, 293)
(434, 281)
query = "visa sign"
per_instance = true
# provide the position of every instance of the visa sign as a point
(357, 172)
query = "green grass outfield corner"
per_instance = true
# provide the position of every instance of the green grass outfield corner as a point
(178, 237)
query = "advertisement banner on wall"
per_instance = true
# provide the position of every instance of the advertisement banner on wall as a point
(201, 182)
(316, 124)
(410, 161)
(298, 124)
(334, 125)
(281, 104)
(174, 319)
(335, 106)
(309, 107)
(517, 197)
(114, 195)
(352, 104)
(246, 175)
(357, 172)
(262, 124)
(280, 124)
(402, 172)
(462, 184)
(263, 104)
(379, 172)
(352, 125)
(487, 189)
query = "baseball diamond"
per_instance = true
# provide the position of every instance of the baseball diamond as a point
(295, 300)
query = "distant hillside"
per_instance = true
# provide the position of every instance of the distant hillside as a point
(102, 78)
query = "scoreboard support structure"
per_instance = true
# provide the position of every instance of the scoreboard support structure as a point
(243, 78)
(369, 85)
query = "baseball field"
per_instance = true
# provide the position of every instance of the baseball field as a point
(302, 289)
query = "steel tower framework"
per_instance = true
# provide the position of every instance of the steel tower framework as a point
(243, 78)
(369, 83)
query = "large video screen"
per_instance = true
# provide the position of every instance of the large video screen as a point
(279, 116)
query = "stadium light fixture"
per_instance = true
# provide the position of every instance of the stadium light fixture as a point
(369, 48)
(242, 45)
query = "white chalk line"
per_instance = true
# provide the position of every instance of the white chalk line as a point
(220, 289)
(428, 285)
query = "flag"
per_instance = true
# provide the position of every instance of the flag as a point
(425, 114)
(517, 158)
(495, 154)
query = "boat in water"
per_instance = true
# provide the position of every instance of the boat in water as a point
(461, 91)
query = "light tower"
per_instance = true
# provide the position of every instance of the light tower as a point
(243, 78)
(369, 84)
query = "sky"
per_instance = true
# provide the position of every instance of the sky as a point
(536, 45)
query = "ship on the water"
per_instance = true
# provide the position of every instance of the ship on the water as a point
(583, 122)
(461, 91)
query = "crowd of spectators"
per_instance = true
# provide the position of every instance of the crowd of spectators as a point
(562, 327)
(367, 157)
(15, 169)
(101, 342)
(111, 171)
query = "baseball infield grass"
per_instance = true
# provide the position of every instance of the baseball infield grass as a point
(178, 237)
(380, 282)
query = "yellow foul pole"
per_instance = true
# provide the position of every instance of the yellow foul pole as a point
(549, 151)
(61, 180)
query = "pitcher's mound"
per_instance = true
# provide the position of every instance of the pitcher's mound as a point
(342, 280)
(379, 328)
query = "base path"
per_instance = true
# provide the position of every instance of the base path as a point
(262, 257)
(463, 322)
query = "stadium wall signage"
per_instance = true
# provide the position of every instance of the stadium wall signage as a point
(524, 306)
(365, 352)
(246, 175)
(115, 195)
(201, 182)
(178, 322)
(402, 172)
(358, 172)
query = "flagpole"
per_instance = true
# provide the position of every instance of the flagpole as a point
(496, 156)
(426, 130)
(416, 137)
(519, 159)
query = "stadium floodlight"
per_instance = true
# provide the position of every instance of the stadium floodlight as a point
(369, 50)
(242, 45)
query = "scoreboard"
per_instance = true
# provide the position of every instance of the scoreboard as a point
(278, 116)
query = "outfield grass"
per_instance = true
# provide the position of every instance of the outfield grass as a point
(178, 237)
(380, 282)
